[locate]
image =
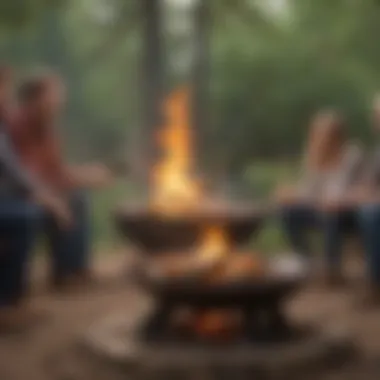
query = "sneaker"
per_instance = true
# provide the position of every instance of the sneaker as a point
(86, 278)
(34, 314)
(14, 319)
(74, 283)
(335, 281)
(370, 297)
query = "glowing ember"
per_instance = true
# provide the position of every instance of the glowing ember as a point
(217, 324)
(214, 243)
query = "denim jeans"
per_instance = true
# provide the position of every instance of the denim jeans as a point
(69, 249)
(369, 219)
(19, 226)
(299, 220)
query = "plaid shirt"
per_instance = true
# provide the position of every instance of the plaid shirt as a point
(39, 150)
(15, 179)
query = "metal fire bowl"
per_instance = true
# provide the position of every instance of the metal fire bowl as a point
(155, 233)
(283, 276)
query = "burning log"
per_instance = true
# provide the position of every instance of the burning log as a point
(217, 325)
(238, 267)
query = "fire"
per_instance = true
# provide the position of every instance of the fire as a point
(174, 187)
(217, 324)
(214, 243)
(175, 190)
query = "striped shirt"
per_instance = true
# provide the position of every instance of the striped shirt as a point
(371, 176)
(334, 182)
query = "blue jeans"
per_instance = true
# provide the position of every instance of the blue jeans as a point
(19, 226)
(369, 218)
(69, 249)
(299, 220)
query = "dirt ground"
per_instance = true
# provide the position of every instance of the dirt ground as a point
(29, 357)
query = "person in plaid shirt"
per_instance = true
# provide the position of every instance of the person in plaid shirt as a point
(38, 144)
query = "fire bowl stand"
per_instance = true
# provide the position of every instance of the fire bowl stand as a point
(140, 344)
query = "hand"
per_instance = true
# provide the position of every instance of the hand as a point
(57, 207)
(93, 175)
(98, 175)
(332, 204)
(286, 195)
(359, 196)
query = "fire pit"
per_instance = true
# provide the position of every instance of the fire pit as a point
(216, 303)
(193, 247)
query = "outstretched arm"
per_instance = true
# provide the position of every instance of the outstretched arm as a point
(22, 177)
(73, 177)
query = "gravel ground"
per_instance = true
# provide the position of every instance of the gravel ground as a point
(29, 357)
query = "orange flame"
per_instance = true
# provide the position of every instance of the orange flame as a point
(175, 188)
(214, 243)
(220, 325)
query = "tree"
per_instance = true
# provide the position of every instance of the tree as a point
(258, 75)
(16, 14)
(200, 78)
(152, 79)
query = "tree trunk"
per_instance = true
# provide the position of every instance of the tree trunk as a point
(53, 49)
(200, 85)
(152, 81)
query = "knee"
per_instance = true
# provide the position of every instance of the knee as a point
(31, 218)
(289, 214)
(331, 218)
(79, 201)
(33, 212)
(369, 215)
(80, 208)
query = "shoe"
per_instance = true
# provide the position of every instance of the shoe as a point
(74, 283)
(69, 284)
(35, 314)
(335, 281)
(14, 319)
(370, 297)
(86, 278)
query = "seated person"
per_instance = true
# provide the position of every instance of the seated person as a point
(19, 222)
(37, 142)
(331, 170)
(368, 201)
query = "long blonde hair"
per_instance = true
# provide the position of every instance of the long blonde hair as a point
(326, 140)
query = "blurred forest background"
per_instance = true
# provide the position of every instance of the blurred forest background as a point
(270, 65)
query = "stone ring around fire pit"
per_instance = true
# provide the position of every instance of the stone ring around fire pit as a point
(111, 349)
(156, 232)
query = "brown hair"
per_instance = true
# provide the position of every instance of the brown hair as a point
(34, 86)
(326, 139)
(5, 73)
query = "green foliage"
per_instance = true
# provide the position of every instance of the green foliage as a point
(269, 73)
(18, 13)
(271, 69)
(267, 85)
